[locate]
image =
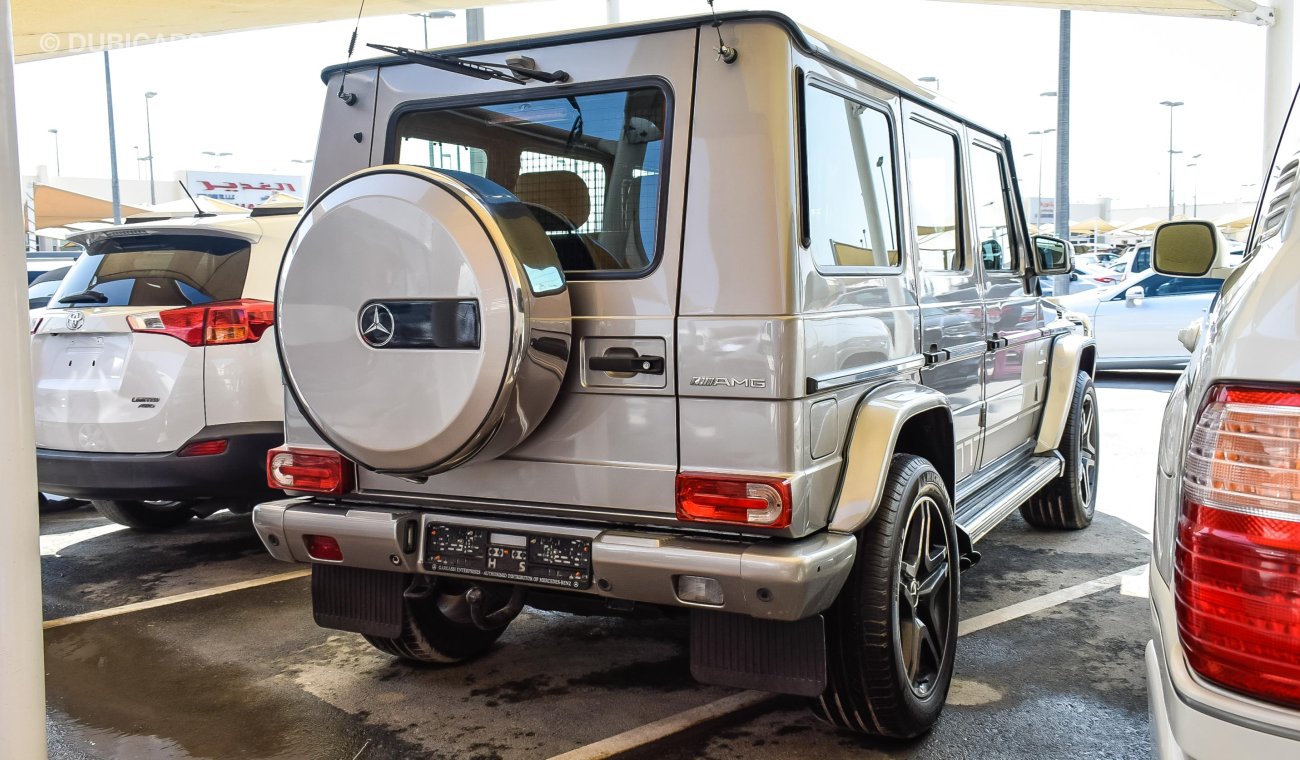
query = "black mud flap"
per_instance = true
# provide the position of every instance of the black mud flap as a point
(767, 655)
(361, 601)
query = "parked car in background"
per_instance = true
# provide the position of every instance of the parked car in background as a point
(156, 383)
(1136, 323)
(42, 288)
(531, 378)
(1223, 667)
(1132, 262)
(40, 262)
(1083, 277)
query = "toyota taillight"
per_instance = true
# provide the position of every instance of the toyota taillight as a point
(312, 470)
(213, 324)
(1237, 561)
(756, 502)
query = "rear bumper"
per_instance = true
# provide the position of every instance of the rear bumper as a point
(771, 579)
(239, 472)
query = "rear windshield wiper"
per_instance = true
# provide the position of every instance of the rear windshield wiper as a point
(476, 69)
(85, 296)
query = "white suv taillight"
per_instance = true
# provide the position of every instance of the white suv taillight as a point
(213, 324)
(1237, 561)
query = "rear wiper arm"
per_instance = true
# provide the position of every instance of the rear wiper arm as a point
(85, 296)
(476, 69)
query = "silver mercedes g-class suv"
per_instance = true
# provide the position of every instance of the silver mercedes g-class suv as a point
(717, 317)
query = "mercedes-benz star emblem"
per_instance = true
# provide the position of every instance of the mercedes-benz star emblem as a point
(377, 325)
(75, 320)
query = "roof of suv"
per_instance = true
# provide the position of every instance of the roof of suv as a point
(811, 42)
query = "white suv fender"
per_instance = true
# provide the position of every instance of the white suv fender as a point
(873, 439)
(1070, 354)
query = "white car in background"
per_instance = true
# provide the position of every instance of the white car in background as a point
(1136, 323)
(156, 377)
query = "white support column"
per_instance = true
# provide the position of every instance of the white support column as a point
(1279, 77)
(22, 671)
(612, 14)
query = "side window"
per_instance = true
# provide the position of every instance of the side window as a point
(992, 222)
(1186, 286)
(851, 192)
(932, 166)
(1142, 260)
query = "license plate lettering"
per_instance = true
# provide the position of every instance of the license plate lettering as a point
(527, 558)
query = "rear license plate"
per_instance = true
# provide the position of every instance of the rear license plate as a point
(547, 560)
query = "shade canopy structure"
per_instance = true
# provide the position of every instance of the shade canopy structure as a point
(1234, 221)
(50, 28)
(59, 208)
(1095, 224)
(1228, 10)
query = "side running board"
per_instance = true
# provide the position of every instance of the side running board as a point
(981, 512)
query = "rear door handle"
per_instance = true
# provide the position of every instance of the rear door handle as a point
(644, 365)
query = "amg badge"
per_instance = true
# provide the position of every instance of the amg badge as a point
(730, 382)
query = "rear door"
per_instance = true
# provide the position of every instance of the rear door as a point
(99, 383)
(952, 309)
(601, 165)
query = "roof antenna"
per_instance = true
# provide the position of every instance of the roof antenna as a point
(351, 97)
(726, 53)
(199, 209)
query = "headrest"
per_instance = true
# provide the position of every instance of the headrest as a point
(561, 191)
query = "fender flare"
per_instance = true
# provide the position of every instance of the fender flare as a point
(1070, 353)
(869, 451)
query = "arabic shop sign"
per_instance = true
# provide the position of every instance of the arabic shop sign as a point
(242, 189)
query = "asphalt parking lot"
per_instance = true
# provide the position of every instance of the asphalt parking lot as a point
(196, 644)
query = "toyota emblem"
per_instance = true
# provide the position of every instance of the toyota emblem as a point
(75, 320)
(377, 325)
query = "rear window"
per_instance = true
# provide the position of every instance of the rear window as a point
(156, 270)
(587, 166)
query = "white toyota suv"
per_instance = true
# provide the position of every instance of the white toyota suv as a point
(1224, 667)
(157, 386)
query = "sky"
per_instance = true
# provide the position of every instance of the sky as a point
(258, 95)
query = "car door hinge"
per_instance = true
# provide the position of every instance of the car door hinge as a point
(984, 416)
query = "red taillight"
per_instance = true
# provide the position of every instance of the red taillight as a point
(214, 324)
(734, 499)
(1104, 280)
(314, 470)
(323, 547)
(1237, 561)
(204, 448)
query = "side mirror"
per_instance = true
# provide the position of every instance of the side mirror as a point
(1187, 248)
(1134, 295)
(1053, 255)
(1190, 334)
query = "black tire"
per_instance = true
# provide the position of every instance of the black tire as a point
(145, 515)
(438, 631)
(1069, 501)
(890, 641)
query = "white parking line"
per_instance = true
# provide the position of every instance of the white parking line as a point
(674, 724)
(54, 543)
(175, 599)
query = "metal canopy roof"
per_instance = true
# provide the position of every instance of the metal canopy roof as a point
(1228, 10)
(50, 28)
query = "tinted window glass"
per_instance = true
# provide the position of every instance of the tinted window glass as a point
(157, 270)
(587, 166)
(851, 190)
(1181, 286)
(932, 165)
(993, 224)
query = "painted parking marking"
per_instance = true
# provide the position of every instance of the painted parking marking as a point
(188, 596)
(52, 544)
(682, 721)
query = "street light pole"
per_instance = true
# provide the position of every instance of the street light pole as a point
(1172, 104)
(426, 15)
(112, 144)
(934, 80)
(58, 169)
(148, 129)
(1038, 215)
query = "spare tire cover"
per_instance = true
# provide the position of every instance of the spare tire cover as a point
(423, 319)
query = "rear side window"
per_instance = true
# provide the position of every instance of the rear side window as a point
(932, 166)
(851, 193)
(992, 218)
(588, 167)
(156, 270)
